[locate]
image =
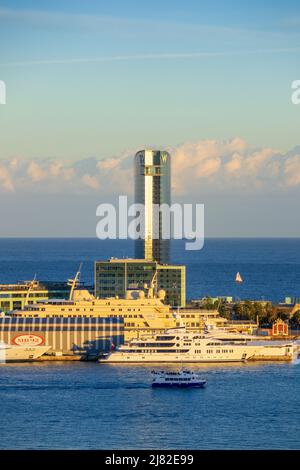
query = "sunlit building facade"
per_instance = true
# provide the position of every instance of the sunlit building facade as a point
(152, 187)
(115, 276)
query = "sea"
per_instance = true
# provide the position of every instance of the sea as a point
(77, 405)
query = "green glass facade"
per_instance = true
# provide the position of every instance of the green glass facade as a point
(114, 277)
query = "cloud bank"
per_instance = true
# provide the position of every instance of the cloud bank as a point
(206, 166)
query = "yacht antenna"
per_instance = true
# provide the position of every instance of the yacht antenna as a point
(31, 285)
(153, 285)
(73, 283)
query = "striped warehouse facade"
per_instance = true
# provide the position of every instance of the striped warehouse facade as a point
(65, 335)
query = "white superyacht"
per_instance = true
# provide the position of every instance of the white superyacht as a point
(179, 345)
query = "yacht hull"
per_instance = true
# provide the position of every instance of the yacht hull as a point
(168, 359)
(22, 353)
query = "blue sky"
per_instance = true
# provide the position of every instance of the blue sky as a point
(99, 79)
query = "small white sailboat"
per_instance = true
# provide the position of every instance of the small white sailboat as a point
(238, 278)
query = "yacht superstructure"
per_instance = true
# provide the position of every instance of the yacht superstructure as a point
(142, 312)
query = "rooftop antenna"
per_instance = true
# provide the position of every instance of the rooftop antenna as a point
(73, 283)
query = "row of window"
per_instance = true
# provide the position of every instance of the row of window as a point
(175, 379)
(70, 319)
(217, 351)
(59, 328)
(55, 315)
(174, 351)
(24, 295)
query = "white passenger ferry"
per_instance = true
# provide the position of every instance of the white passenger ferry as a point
(179, 345)
(184, 378)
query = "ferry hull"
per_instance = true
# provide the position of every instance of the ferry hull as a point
(161, 385)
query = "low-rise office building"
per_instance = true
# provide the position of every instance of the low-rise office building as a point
(115, 276)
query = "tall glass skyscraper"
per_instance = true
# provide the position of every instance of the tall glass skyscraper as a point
(152, 186)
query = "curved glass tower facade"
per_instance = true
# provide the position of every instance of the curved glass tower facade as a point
(152, 187)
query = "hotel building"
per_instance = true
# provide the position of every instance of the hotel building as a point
(152, 187)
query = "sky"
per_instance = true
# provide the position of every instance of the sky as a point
(90, 83)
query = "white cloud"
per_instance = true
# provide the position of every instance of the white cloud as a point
(197, 168)
(90, 181)
(35, 172)
(234, 165)
(5, 180)
(292, 170)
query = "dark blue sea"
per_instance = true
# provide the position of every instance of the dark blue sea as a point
(92, 406)
(269, 267)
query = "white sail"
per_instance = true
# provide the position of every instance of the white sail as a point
(238, 277)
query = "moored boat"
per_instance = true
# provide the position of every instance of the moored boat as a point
(180, 346)
(12, 353)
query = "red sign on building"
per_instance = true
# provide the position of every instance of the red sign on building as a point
(280, 328)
